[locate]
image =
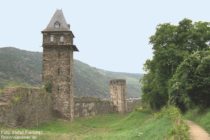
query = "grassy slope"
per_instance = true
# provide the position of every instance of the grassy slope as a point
(135, 126)
(139, 125)
(202, 118)
(24, 67)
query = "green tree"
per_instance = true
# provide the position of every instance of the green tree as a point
(190, 84)
(171, 45)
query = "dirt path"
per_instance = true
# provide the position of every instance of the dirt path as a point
(196, 132)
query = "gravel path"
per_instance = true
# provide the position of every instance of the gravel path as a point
(196, 132)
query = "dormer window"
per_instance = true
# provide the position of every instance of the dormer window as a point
(51, 38)
(57, 25)
(61, 39)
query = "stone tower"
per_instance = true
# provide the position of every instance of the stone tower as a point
(58, 62)
(118, 94)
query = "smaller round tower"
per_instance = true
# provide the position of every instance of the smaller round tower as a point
(118, 94)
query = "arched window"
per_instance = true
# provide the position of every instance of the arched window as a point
(51, 38)
(61, 39)
(57, 25)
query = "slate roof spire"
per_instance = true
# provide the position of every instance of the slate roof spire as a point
(58, 22)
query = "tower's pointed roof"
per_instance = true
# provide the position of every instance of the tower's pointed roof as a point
(58, 22)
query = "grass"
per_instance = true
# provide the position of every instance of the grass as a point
(138, 125)
(200, 117)
(106, 127)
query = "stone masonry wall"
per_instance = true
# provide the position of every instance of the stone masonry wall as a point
(58, 70)
(25, 107)
(133, 104)
(28, 107)
(118, 94)
(89, 106)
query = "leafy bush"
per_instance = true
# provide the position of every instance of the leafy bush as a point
(48, 86)
(16, 99)
(190, 84)
(180, 129)
(173, 44)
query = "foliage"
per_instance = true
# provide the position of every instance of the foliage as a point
(172, 44)
(180, 129)
(16, 99)
(48, 86)
(16, 84)
(19, 66)
(190, 83)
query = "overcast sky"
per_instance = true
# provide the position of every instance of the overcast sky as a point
(110, 34)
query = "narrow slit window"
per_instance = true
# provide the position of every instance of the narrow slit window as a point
(59, 54)
(59, 71)
(58, 89)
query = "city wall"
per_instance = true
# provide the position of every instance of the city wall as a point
(25, 107)
(29, 107)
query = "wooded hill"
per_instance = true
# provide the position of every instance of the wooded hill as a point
(20, 67)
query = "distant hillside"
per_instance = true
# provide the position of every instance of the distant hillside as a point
(24, 67)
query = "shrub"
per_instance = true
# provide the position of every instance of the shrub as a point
(48, 86)
(180, 129)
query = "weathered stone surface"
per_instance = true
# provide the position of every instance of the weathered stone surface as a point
(118, 94)
(132, 104)
(89, 106)
(58, 65)
(25, 107)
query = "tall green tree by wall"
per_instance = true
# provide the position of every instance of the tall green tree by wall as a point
(190, 85)
(172, 44)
